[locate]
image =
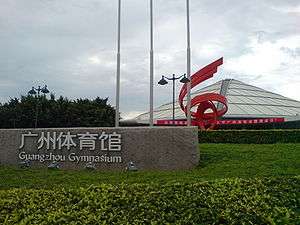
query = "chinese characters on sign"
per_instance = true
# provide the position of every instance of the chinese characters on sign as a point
(86, 141)
(105, 143)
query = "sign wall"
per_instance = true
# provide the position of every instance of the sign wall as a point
(106, 148)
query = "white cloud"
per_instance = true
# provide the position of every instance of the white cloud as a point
(94, 60)
(72, 46)
(130, 114)
(277, 63)
(264, 57)
(288, 9)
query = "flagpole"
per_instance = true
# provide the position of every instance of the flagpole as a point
(151, 64)
(117, 116)
(188, 106)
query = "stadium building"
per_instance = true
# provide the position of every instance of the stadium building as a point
(247, 104)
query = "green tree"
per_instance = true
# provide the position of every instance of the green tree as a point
(61, 112)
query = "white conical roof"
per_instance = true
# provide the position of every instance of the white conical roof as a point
(244, 101)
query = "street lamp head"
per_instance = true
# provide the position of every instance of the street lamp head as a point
(32, 91)
(162, 81)
(184, 79)
(45, 90)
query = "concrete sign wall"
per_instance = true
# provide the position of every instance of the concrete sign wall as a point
(163, 148)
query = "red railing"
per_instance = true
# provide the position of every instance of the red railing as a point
(219, 122)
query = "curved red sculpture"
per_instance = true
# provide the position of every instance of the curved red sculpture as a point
(205, 117)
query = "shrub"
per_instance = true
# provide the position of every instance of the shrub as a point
(262, 126)
(250, 136)
(228, 201)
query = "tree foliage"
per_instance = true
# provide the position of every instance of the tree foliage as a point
(61, 112)
(226, 201)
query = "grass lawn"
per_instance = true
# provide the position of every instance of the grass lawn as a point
(218, 161)
(234, 184)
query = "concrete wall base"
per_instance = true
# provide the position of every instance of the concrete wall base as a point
(157, 148)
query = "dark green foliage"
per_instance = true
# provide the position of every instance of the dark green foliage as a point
(262, 126)
(250, 136)
(61, 112)
(228, 201)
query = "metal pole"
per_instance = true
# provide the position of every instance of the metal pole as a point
(36, 112)
(188, 64)
(173, 99)
(37, 107)
(151, 64)
(117, 116)
(39, 89)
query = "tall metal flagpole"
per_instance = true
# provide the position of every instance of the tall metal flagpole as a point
(151, 64)
(188, 106)
(117, 117)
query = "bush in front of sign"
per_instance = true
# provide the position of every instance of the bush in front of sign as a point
(227, 201)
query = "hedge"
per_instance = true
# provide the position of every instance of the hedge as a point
(262, 126)
(250, 136)
(228, 201)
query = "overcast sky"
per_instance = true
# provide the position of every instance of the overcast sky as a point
(70, 45)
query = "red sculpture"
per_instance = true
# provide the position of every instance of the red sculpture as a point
(205, 117)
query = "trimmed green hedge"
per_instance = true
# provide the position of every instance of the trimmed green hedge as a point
(262, 126)
(250, 136)
(228, 201)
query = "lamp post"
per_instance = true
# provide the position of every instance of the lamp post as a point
(163, 81)
(36, 92)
